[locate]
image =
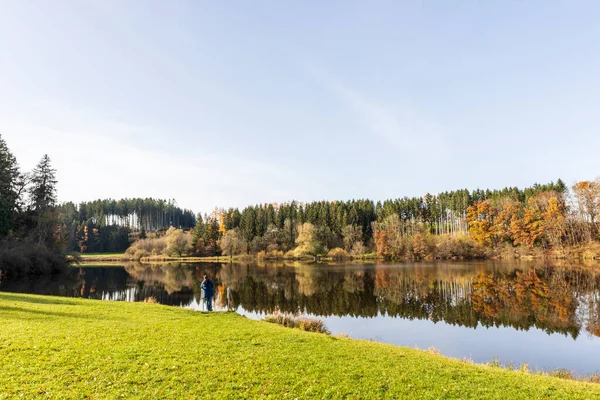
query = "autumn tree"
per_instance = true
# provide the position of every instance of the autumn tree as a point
(554, 221)
(352, 235)
(480, 219)
(231, 243)
(388, 238)
(421, 247)
(506, 212)
(587, 195)
(528, 229)
(275, 239)
(178, 242)
(382, 243)
(307, 241)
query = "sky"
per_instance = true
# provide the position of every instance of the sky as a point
(232, 103)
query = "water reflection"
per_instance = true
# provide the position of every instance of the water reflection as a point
(553, 299)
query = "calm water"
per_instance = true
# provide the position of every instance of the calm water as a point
(547, 317)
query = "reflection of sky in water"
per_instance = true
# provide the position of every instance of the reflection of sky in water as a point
(481, 345)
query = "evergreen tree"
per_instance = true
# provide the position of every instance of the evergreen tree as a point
(43, 199)
(9, 196)
(43, 186)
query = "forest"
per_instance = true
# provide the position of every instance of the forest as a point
(38, 235)
(103, 226)
(30, 242)
(552, 220)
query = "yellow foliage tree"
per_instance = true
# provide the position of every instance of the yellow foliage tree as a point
(480, 218)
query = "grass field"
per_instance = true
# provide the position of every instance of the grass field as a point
(73, 348)
(98, 257)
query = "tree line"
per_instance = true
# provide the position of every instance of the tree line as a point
(30, 238)
(37, 233)
(453, 224)
(459, 223)
(110, 225)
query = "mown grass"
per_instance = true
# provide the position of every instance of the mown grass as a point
(92, 255)
(74, 348)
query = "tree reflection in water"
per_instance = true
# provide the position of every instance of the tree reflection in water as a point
(522, 295)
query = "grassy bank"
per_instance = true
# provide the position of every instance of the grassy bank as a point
(73, 348)
(94, 257)
(111, 257)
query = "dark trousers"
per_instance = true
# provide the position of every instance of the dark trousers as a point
(208, 301)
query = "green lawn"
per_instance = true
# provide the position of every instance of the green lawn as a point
(92, 255)
(72, 348)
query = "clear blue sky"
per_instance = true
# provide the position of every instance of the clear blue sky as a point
(229, 103)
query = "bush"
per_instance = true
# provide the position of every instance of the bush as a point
(302, 323)
(139, 254)
(151, 300)
(174, 243)
(154, 246)
(338, 254)
(289, 255)
(21, 259)
(458, 247)
(358, 250)
(270, 255)
(562, 373)
(178, 242)
(422, 246)
(311, 325)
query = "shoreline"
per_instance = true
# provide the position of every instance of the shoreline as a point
(567, 255)
(246, 358)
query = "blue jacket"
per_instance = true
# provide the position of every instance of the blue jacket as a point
(208, 288)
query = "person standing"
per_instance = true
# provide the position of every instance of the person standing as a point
(208, 291)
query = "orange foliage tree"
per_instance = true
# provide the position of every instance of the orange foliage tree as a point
(480, 219)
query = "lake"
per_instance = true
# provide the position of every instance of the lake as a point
(516, 312)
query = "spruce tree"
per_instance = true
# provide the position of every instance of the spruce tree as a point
(9, 196)
(43, 186)
(42, 196)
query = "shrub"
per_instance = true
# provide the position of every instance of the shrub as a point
(594, 378)
(139, 254)
(275, 255)
(154, 246)
(178, 243)
(338, 254)
(151, 300)
(422, 246)
(562, 373)
(450, 247)
(311, 325)
(21, 258)
(289, 255)
(270, 255)
(174, 243)
(302, 323)
(358, 250)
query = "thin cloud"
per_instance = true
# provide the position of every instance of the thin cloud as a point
(100, 158)
(401, 127)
